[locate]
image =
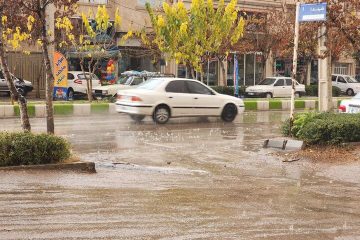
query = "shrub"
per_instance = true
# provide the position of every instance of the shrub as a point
(31, 149)
(313, 90)
(325, 128)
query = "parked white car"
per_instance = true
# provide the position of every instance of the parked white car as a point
(77, 83)
(275, 87)
(22, 86)
(346, 83)
(164, 98)
(124, 82)
(350, 105)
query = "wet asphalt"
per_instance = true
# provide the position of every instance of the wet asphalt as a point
(189, 179)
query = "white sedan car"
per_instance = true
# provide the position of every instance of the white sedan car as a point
(164, 98)
(350, 105)
(275, 87)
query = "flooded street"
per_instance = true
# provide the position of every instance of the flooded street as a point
(188, 179)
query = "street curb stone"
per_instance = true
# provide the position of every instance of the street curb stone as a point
(310, 104)
(263, 105)
(88, 167)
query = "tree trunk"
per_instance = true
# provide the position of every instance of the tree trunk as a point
(49, 77)
(25, 122)
(223, 73)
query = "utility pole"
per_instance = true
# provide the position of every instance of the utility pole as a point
(324, 71)
(294, 70)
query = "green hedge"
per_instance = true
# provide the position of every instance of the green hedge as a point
(324, 128)
(31, 149)
(313, 90)
(229, 90)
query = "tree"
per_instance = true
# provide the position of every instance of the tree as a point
(42, 34)
(13, 34)
(190, 36)
(92, 42)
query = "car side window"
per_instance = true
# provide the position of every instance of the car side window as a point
(137, 81)
(197, 88)
(177, 86)
(289, 82)
(279, 83)
(70, 76)
(333, 78)
(341, 80)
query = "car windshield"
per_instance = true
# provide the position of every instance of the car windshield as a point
(150, 84)
(351, 80)
(122, 80)
(267, 81)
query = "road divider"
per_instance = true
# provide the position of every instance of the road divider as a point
(85, 109)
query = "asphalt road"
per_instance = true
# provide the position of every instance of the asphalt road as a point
(189, 179)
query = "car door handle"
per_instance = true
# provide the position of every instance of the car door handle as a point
(170, 97)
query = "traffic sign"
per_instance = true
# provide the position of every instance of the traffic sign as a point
(312, 12)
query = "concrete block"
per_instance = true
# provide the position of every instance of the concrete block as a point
(40, 110)
(263, 105)
(82, 109)
(310, 104)
(9, 111)
(112, 108)
(2, 111)
(294, 145)
(286, 104)
(274, 143)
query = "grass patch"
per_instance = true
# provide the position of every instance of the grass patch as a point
(250, 105)
(300, 104)
(275, 104)
(99, 108)
(30, 109)
(63, 109)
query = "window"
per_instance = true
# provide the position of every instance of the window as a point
(267, 81)
(342, 68)
(153, 3)
(341, 80)
(137, 81)
(197, 88)
(279, 83)
(87, 76)
(176, 87)
(94, 1)
(333, 78)
(289, 82)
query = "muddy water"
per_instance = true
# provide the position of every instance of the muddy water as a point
(189, 179)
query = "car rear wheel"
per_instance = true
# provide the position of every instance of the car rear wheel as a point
(350, 92)
(161, 115)
(229, 113)
(268, 95)
(137, 118)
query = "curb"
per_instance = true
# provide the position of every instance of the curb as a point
(87, 167)
(86, 109)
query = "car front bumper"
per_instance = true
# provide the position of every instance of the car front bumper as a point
(255, 94)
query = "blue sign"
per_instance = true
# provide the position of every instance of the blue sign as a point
(60, 93)
(312, 12)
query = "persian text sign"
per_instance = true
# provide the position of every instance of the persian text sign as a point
(312, 12)
(60, 76)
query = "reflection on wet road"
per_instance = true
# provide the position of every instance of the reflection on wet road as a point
(189, 179)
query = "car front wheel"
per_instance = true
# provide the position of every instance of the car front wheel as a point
(229, 113)
(350, 92)
(161, 115)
